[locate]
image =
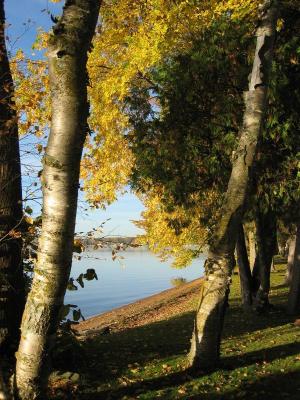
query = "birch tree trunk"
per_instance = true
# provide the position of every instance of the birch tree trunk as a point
(294, 293)
(205, 342)
(11, 273)
(67, 54)
(252, 249)
(244, 269)
(290, 260)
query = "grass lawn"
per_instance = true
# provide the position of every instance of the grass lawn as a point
(260, 358)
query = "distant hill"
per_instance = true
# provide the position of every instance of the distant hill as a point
(107, 240)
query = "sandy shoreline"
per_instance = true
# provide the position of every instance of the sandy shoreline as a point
(150, 309)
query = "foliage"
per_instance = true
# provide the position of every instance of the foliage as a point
(178, 281)
(186, 119)
(278, 165)
(172, 72)
(176, 234)
(31, 94)
(125, 49)
(185, 140)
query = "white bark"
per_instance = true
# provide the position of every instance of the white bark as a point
(290, 260)
(293, 306)
(205, 343)
(252, 250)
(69, 44)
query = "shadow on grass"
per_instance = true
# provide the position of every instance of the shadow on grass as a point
(140, 345)
(110, 356)
(260, 356)
(157, 383)
(272, 386)
(171, 337)
(238, 322)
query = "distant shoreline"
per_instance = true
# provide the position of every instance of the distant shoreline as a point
(107, 240)
(109, 248)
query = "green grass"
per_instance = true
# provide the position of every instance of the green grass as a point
(260, 358)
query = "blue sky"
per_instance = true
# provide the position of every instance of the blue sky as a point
(24, 17)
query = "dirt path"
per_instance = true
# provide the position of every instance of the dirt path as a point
(151, 309)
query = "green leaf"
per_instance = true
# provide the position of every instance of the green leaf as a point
(76, 315)
(28, 210)
(80, 280)
(90, 274)
(71, 285)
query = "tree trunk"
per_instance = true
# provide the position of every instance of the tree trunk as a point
(244, 269)
(255, 276)
(205, 342)
(11, 273)
(266, 234)
(4, 391)
(68, 47)
(252, 249)
(294, 293)
(290, 260)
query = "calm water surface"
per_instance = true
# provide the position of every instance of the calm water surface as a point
(138, 275)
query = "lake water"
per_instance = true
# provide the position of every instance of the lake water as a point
(138, 275)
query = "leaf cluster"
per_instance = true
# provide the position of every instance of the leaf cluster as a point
(277, 168)
(186, 122)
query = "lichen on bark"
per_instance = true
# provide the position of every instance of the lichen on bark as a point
(205, 342)
(67, 54)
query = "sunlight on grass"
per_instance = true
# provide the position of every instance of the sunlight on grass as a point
(260, 357)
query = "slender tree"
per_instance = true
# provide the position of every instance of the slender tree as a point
(11, 274)
(290, 259)
(205, 343)
(69, 44)
(266, 234)
(294, 294)
(252, 249)
(244, 269)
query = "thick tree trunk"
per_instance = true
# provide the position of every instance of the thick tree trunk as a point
(290, 260)
(11, 273)
(266, 234)
(205, 343)
(244, 269)
(294, 293)
(68, 48)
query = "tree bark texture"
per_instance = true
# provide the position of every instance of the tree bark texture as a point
(11, 273)
(205, 342)
(244, 269)
(290, 260)
(69, 44)
(252, 249)
(294, 293)
(266, 234)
